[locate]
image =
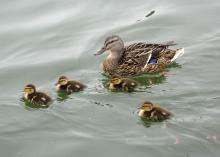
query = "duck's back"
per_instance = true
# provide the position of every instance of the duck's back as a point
(40, 98)
(136, 56)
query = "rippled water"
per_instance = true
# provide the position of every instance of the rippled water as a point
(43, 39)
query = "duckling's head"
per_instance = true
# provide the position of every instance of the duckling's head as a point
(113, 43)
(62, 81)
(114, 82)
(29, 89)
(146, 106)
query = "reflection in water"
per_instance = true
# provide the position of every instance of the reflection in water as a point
(150, 79)
(62, 96)
(174, 65)
(148, 123)
(31, 106)
(145, 80)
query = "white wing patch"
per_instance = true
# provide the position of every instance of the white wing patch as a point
(152, 114)
(43, 98)
(178, 54)
(69, 88)
(32, 100)
(77, 86)
(149, 57)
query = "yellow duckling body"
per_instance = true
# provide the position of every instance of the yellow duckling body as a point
(69, 86)
(149, 111)
(36, 97)
(124, 84)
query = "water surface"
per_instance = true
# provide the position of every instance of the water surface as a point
(43, 39)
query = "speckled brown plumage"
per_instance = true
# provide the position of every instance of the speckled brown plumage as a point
(127, 61)
(135, 56)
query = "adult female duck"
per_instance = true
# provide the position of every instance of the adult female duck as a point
(137, 58)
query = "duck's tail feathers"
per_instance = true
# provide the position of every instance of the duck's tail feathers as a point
(178, 54)
(169, 43)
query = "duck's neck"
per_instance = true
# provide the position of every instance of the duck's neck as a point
(112, 60)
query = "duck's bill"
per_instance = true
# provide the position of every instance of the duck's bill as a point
(101, 51)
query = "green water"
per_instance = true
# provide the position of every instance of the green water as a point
(43, 39)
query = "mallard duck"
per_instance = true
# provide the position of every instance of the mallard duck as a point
(137, 58)
(149, 111)
(124, 84)
(36, 97)
(69, 86)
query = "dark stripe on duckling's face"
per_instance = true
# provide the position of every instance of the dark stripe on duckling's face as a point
(147, 106)
(63, 80)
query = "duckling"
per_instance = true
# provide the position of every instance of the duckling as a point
(69, 86)
(124, 84)
(33, 96)
(149, 111)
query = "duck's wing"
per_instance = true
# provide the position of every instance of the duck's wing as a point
(76, 85)
(162, 113)
(141, 58)
(136, 56)
(41, 98)
(141, 53)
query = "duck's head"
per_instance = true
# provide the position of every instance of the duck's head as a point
(146, 106)
(62, 81)
(114, 44)
(114, 82)
(29, 89)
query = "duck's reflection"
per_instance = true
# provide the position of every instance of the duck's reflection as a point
(144, 82)
(33, 106)
(62, 96)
